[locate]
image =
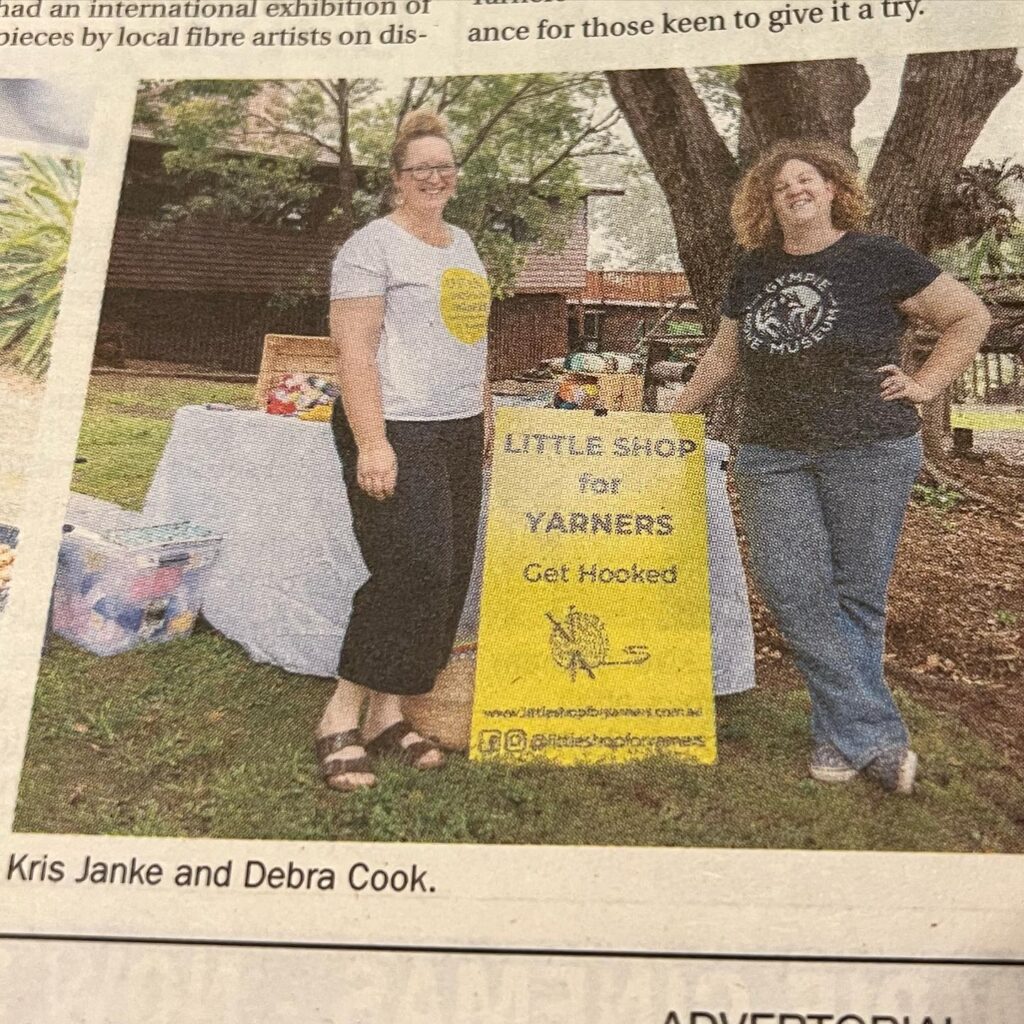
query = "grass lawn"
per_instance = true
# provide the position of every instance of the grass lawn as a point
(192, 739)
(125, 425)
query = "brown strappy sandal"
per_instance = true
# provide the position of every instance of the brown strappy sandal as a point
(332, 767)
(389, 744)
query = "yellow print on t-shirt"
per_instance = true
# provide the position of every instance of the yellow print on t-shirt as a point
(465, 304)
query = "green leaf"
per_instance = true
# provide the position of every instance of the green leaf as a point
(37, 205)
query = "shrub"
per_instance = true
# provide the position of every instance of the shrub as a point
(37, 208)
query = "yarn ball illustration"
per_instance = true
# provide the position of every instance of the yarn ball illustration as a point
(580, 642)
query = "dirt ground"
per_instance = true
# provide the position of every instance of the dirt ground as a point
(956, 608)
(1009, 444)
(956, 635)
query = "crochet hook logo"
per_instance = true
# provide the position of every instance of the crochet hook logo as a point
(579, 643)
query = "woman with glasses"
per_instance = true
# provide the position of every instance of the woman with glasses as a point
(830, 443)
(409, 309)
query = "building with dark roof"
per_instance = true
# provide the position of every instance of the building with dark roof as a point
(203, 294)
(618, 309)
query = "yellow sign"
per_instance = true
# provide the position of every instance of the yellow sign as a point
(465, 304)
(595, 635)
(965, 417)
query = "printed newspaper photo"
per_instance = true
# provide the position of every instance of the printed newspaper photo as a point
(512, 509)
(298, 550)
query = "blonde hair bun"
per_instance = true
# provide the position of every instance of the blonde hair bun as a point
(419, 123)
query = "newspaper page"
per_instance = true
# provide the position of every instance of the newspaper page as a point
(511, 510)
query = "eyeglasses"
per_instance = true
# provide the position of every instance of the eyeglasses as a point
(424, 172)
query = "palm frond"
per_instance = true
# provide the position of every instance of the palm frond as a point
(37, 207)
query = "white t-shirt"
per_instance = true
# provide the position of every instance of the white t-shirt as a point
(433, 345)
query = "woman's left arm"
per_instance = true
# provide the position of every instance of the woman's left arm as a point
(962, 321)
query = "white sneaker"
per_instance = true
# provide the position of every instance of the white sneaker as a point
(828, 765)
(895, 770)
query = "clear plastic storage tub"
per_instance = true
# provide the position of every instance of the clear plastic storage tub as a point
(121, 588)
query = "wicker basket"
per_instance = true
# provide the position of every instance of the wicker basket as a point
(294, 353)
(446, 713)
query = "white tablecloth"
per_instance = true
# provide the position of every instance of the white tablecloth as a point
(289, 565)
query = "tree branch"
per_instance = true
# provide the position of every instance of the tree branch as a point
(488, 126)
(327, 87)
(406, 105)
(592, 129)
(800, 99)
(280, 131)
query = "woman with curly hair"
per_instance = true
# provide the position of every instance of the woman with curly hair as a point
(830, 441)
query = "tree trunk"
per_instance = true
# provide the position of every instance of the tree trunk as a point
(799, 99)
(344, 215)
(695, 170)
(945, 101)
(697, 173)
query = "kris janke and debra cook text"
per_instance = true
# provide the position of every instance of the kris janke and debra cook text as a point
(254, 874)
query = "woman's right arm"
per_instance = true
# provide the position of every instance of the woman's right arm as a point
(355, 331)
(716, 368)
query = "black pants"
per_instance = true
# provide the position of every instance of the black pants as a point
(418, 546)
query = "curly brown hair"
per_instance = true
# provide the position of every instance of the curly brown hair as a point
(753, 216)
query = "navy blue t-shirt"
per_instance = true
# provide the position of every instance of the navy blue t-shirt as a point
(813, 331)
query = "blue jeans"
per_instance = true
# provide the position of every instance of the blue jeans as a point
(823, 529)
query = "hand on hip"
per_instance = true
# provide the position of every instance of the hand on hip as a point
(899, 385)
